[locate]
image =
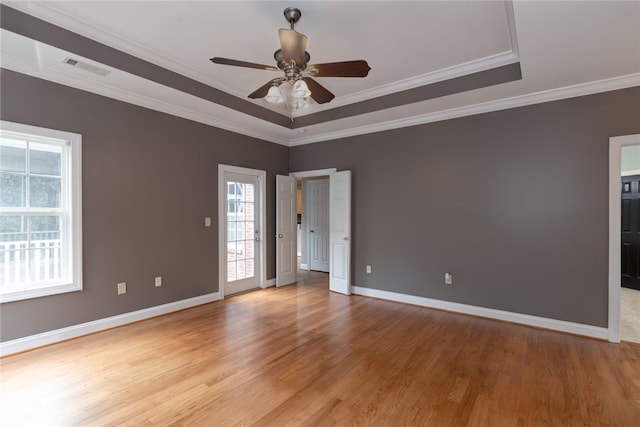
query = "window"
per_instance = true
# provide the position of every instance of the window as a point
(241, 230)
(40, 218)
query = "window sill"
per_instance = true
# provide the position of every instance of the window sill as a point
(22, 294)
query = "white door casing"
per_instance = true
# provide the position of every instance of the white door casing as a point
(615, 183)
(251, 247)
(340, 232)
(304, 175)
(286, 230)
(318, 237)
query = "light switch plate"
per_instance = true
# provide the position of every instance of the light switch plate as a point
(122, 288)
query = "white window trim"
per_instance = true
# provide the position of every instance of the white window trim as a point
(74, 189)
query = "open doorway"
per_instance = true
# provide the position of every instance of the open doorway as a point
(313, 185)
(630, 250)
(334, 241)
(624, 230)
(314, 228)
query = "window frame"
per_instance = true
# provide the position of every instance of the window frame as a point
(71, 215)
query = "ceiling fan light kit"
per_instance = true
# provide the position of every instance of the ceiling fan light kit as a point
(274, 95)
(300, 89)
(293, 59)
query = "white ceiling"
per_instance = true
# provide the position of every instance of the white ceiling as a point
(564, 48)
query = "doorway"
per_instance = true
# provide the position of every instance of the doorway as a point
(241, 223)
(619, 313)
(338, 217)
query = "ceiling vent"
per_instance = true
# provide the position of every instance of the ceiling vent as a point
(86, 67)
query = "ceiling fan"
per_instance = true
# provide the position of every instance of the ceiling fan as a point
(293, 59)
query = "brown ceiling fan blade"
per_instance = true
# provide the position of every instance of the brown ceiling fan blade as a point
(236, 63)
(262, 91)
(358, 68)
(318, 92)
(293, 45)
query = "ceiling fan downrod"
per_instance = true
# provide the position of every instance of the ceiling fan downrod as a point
(292, 15)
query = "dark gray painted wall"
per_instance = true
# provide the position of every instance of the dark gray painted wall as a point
(514, 203)
(149, 179)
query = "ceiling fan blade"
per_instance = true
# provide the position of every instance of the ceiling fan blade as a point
(358, 68)
(262, 91)
(318, 92)
(236, 63)
(293, 44)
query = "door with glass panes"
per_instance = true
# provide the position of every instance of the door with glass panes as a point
(242, 233)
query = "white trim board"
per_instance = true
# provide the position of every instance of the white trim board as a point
(615, 218)
(51, 337)
(490, 313)
(583, 89)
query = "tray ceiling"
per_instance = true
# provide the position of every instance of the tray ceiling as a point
(429, 60)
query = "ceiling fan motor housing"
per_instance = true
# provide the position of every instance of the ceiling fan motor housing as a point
(292, 71)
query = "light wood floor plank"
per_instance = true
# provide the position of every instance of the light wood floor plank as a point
(302, 356)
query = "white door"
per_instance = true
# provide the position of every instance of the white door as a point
(318, 237)
(240, 212)
(340, 232)
(286, 230)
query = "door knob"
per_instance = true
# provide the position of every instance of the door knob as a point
(311, 231)
(346, 238)
(280, 236)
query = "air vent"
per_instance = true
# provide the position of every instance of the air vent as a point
(86, 67)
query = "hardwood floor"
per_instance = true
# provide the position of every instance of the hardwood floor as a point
(300, 355)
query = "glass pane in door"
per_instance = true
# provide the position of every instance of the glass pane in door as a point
(240, 231)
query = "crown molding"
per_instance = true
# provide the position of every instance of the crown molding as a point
(77, 81)
(583, 89)
(470, 67)
(49, 13)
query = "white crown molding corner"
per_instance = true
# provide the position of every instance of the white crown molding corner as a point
(582, 89)
(77, 81)
(51, 337)
(511, 24)
(507, 316)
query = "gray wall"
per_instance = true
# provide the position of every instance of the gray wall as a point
(514, 203)
(149, 179)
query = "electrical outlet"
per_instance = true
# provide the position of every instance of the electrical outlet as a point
(158, 281)
(448, 278)
(207, 221)
(368, 269)
(122, 288)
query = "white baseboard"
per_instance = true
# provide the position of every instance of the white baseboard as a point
(304, 266)
(270, 282)
(523, 319)
(50, 337)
